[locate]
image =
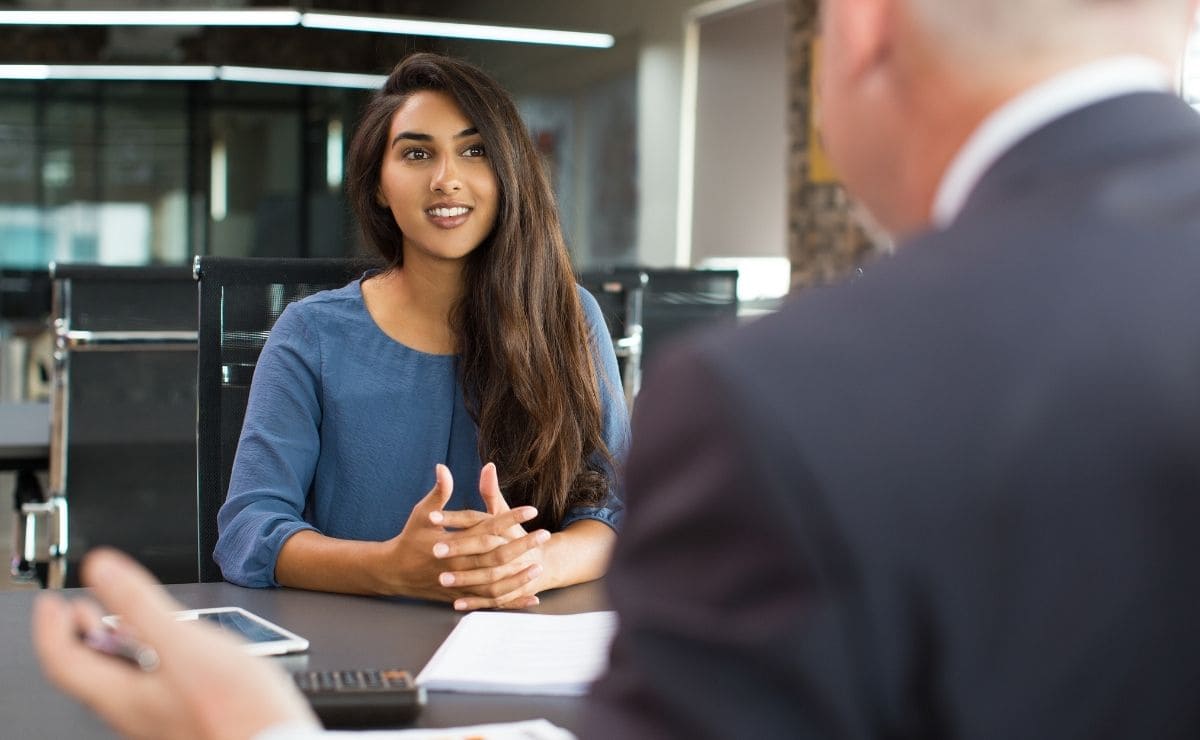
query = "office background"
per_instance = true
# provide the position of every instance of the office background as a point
(687, 140)
(136, 171)
(687, 143)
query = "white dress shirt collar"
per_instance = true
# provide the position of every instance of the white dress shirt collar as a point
(1032, 109)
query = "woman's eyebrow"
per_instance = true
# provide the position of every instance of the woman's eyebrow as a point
(416, 136)
(413, 135)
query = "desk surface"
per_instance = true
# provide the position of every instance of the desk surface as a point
(343, 632)
(24, 432)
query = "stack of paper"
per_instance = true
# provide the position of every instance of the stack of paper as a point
(501, 653)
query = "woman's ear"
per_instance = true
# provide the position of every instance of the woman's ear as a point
(379, 199)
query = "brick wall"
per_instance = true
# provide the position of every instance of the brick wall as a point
(825, 242)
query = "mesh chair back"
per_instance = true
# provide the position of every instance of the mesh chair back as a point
(239, 301)
(123, 450)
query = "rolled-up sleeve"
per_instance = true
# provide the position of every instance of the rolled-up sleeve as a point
(276, 456)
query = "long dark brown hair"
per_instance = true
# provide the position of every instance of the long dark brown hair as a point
(524, 360)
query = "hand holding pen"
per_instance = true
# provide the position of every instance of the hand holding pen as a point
(178, 679)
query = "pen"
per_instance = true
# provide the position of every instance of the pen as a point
(123, 647)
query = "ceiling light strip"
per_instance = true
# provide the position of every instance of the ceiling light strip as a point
(315, 78)
(453, 29)
(106, 72)
(286, 17)
(131, 72)
(149, 17)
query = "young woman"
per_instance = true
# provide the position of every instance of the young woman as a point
(374, 406)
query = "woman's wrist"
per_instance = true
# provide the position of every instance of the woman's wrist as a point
(578, 553)
(388, 567)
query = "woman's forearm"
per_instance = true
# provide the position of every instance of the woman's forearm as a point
(311, 560)
(578, 553)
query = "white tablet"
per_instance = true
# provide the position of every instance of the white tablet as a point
(259, 637)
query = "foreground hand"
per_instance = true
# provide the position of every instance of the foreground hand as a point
(490, 559)
(204, 685)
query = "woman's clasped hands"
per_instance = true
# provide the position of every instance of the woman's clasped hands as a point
(477, 559)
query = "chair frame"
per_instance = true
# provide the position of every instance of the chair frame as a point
(630, 285)
(54, 507)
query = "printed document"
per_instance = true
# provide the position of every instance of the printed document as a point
(502, 653)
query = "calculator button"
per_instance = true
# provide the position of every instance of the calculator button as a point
(395, 677)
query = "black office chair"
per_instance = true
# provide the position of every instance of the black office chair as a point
(678, 301)
(620, 297)
(123, 414)
(239, 301)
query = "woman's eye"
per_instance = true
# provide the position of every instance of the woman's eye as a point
(475, 150)
(416, 154)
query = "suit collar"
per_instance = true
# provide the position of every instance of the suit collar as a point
(1041, 104)
(1105, 134)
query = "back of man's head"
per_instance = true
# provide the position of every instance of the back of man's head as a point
(903, 83)
(998, 33)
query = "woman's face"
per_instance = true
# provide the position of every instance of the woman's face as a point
(436, 179)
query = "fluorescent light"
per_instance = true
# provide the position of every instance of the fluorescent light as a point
(218, 181)
(451, 29)
(149, 17)
(130, 72)
(24, 72)
(272, 76)
(106, 72)
(287, 17)
(151, 72)
(334, 166)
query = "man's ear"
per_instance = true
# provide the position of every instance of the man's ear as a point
(867, 28)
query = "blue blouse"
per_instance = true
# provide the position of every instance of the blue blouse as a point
(344, 426)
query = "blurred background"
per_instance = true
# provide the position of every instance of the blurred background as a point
(138, 171)
(674, 146)
(681, 138)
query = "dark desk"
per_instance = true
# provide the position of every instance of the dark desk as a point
(344, 632)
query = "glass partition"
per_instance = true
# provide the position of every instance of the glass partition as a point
(136, 172)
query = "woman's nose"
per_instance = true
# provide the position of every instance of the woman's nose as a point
(445, 177)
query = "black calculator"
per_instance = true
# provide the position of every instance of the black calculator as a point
(361, 698)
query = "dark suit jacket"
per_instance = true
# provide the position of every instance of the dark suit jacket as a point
(958, 497)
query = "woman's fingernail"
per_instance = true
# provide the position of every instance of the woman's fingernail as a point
(460, 605)
(440, 550)
(541, 536)
(446, 579)
(436, 517)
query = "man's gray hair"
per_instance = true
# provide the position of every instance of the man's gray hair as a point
(992, 31)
